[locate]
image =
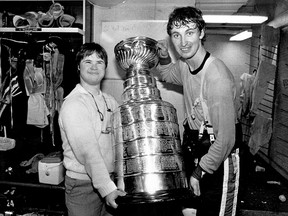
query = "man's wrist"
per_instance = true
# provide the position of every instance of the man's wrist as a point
(198, 172)
(165, 60)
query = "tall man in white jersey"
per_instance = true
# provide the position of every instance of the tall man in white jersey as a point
(212, 164)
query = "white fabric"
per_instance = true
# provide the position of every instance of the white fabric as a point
(88, 154)
(219, 92)
(37, 111)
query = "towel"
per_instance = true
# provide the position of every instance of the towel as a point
(65, 20)
(37, 111)
(261, 132)
(46, 20)
(29, 19)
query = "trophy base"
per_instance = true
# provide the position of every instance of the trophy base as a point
(159, 196)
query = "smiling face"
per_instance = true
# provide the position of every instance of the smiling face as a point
(92, 70)
(187, 39)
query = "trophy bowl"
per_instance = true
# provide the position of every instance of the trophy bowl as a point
(137, 52)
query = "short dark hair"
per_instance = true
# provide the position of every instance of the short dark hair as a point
(182, 16)
(88, 49)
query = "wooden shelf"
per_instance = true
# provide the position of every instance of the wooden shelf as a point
(32, 185)
(81, 10)
(44, 30)
(39, 0)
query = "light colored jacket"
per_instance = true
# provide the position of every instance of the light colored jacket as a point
(88, 153)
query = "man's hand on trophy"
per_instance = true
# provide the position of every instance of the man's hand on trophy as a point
(110, 198)
(163, 48)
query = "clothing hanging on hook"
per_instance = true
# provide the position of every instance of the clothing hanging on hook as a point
(9, 88)
(0, 63)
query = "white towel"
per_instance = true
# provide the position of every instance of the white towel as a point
(37, 111)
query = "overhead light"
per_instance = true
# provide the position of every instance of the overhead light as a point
(235, 19)
(241, 36)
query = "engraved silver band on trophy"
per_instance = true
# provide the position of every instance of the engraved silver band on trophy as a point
(149, 164)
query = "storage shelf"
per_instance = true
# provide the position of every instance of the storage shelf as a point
(39, 0)
(44, 30)
(32, 185)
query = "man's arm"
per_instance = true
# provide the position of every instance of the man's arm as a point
(83, 139)
(220, 100)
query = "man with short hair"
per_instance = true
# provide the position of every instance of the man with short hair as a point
(210, 115)
(85, 125)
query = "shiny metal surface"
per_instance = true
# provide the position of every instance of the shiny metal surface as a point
(139, 81)
(149, 164)
(135, 52)
(137, 70)
(140, 93)
(149, 111)
(148, 146)
(146, 129)
(149, 183)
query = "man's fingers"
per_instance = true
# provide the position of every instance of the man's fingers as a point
(197, 191)
(112, 204)
(195, 185)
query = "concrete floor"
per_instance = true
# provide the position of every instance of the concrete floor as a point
(260, 188)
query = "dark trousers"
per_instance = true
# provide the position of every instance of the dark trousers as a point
(219, 191)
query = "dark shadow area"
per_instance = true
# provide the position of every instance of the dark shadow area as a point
(260, 186)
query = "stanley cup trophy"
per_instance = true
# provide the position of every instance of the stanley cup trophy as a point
(149, 164)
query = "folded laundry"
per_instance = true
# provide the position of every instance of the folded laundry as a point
(56, 10)
(29, 19)
(46, 20)
(65, 20)
(19, 21)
